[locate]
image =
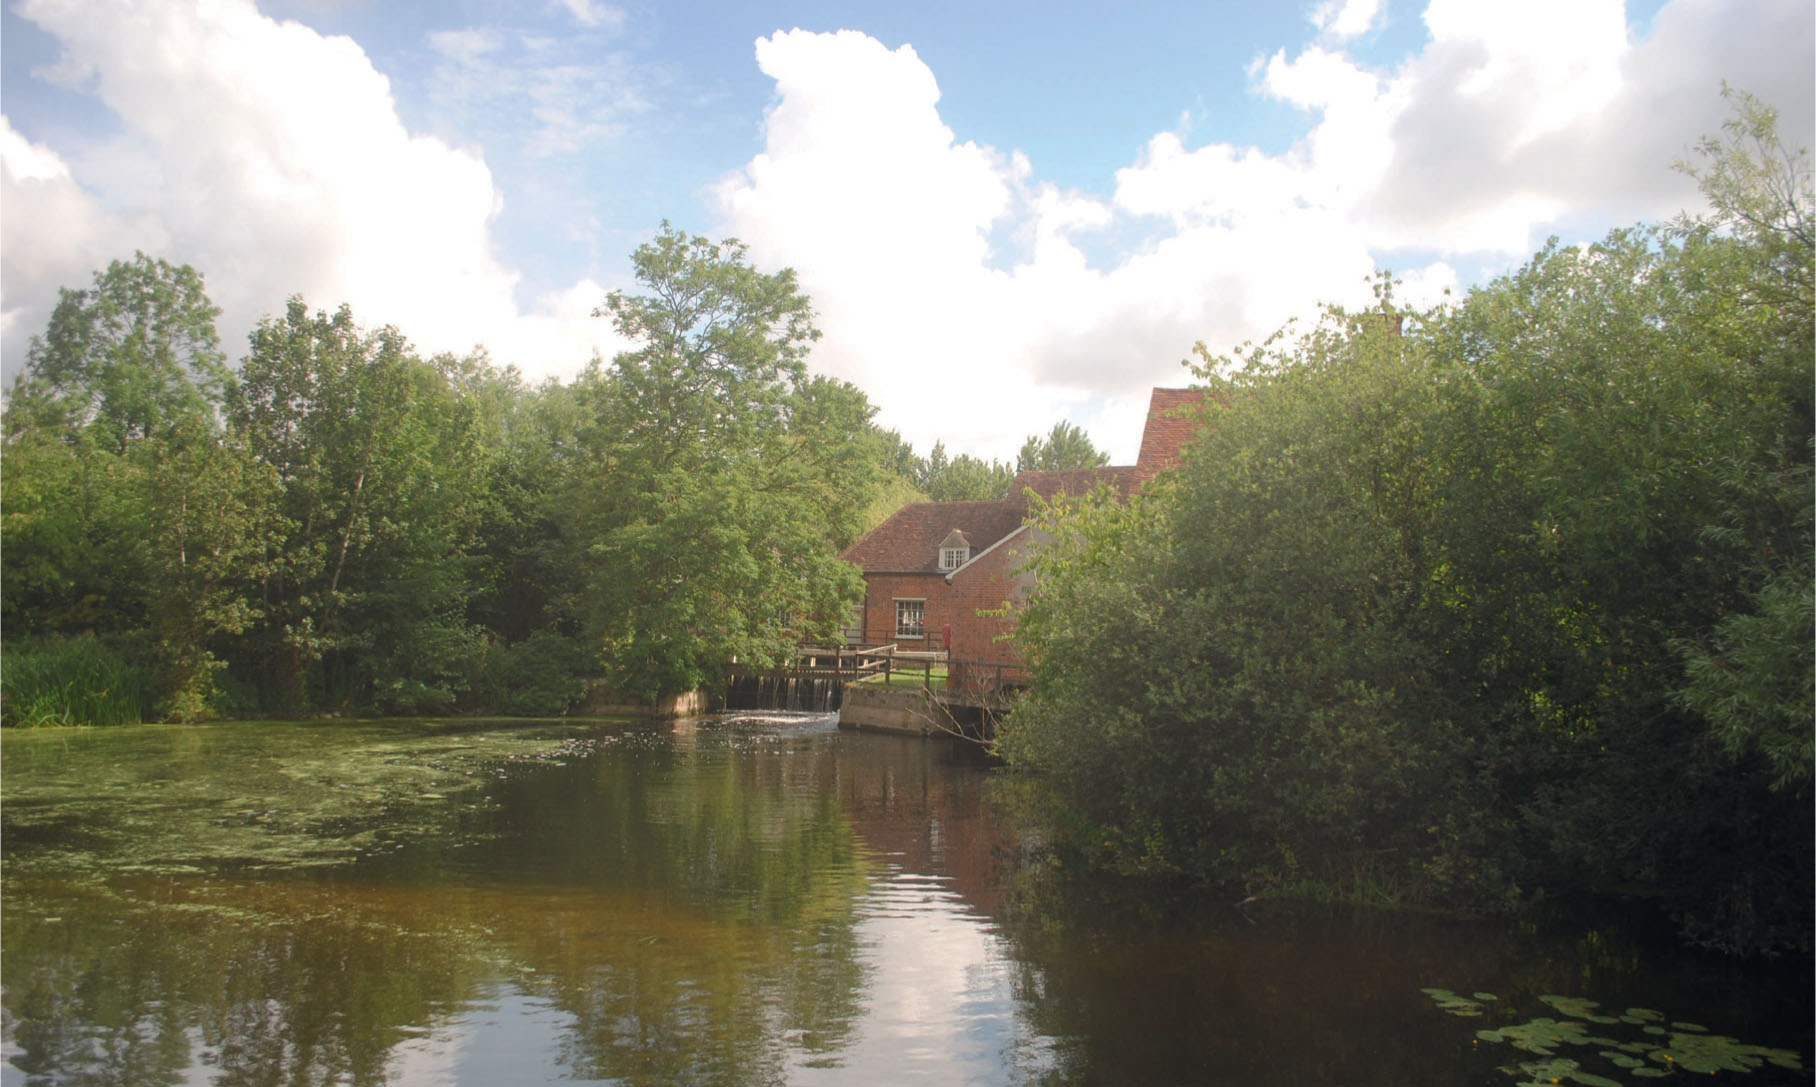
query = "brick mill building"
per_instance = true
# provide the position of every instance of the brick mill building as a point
(932, 567)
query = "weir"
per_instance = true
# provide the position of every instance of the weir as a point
(784, 691)
(813, 683)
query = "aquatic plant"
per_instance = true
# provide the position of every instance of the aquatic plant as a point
(75, 681)
(1662, 1046)
(1458, 1005)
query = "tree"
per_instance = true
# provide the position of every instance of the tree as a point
(713, 531)
(383, 460)
(1750, 676)
(133, 354)
(126, 513)
(1065, 448)
(964, 478)
(1452, 612)
(213, 534)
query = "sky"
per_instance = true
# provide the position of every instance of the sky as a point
(1006, 214)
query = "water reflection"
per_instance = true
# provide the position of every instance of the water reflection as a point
(742, 900)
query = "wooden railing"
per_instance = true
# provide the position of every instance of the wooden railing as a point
(849, 662)
(858, 662)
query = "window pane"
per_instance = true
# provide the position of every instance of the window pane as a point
(908, 615)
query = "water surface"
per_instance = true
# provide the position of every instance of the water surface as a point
(741, 899)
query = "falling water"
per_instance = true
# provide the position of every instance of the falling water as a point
(802, 694)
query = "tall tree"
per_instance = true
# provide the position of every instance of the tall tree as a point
(382, 458)
(126, 512)
(132, 354)
(964, 478)
(714, 535)
(1065, 448)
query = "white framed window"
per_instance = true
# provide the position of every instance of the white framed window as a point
(951, 558)
(910, 618)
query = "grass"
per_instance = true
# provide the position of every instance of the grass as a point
(907, 675)
(78, 681)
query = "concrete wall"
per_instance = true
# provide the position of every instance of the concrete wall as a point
(602, 702)
(884, 709)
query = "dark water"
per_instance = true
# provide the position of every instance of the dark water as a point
(750, 899)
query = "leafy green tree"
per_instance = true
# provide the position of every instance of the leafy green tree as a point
(964, 478)
(125, 513)
(1452, 612)
(213, 533)
(1065, 448)
(1750, 676)
(382, 458)
(71, 517)
(134, 353)
(714, 525)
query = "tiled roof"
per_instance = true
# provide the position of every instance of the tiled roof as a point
(909, 542)
(1172, 420)
(1080, 481)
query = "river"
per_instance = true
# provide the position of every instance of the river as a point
(743, 899)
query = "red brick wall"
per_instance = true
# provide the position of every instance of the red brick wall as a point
(984, 586)
(881, 591)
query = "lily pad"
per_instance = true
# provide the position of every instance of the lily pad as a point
(1450, 1002)
(1559, 1070)
(1685, 1046)
(1720, 1053)
(1542, 1036)
(1577, 1007)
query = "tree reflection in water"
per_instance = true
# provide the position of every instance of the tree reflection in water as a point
(727, 902)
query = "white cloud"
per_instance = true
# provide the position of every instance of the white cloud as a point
(591, 13)
(26, 161)
(52, 234)
(273, 159)
(887, 217)
(1511, 122)
(1344, 19)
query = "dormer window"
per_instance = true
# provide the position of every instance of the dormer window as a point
(955, 550)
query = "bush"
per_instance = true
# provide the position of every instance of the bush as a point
(540, 676)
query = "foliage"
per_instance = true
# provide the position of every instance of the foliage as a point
(126, 510)
(1065, 448)
(132, 355)
(380, 459)
(1463, 604)
(342, 524)
(725, 480)
(75, 681)
(538, 677)
(963, 478)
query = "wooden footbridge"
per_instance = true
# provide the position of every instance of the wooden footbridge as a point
(817, 676)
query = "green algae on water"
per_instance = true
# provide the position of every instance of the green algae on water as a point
(266, 796)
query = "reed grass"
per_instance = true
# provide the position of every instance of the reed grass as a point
(74, 681)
